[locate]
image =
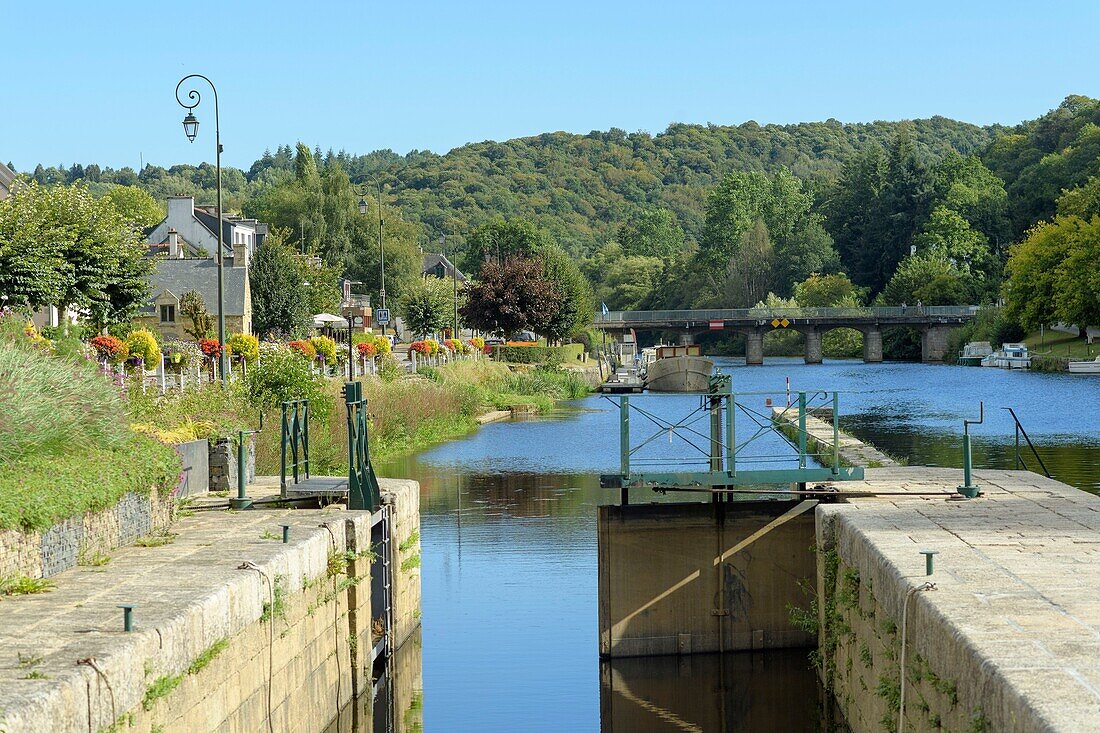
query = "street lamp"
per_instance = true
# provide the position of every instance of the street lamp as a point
(454, 281)
(191, 129)
(381, 245)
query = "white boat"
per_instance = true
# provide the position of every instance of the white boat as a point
(973, 353)
(679, 369)
(1009, 356)
(1085, 367)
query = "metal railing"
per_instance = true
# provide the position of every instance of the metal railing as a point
(766, 314)
(294, 439)
(1019, 458)
(363, 489)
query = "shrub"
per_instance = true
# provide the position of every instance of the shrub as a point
(325, 348)
(285, 375)
(109, 348)
(143, 345)
(245, 346)
(477, 343)
(182, 354)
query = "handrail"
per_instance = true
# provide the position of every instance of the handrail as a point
(1020, 431)
(767, 313)
(295, 436)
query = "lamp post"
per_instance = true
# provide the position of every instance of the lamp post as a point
(454, 281)
(381, 246)
(191, 130)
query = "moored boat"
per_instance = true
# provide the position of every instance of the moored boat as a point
(679, 369)
(973, 353)
(1010, 356)
(1084, 367)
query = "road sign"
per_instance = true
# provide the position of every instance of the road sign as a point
(776, 323)
(717, 325)
(382, 315)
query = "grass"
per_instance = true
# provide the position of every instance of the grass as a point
(164, 685)
(66, 446)
(1058, 344)
(21, 585)
(156, 539)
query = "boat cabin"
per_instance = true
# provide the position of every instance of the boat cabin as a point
(665, 352)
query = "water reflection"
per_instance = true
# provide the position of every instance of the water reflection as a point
(733, 693)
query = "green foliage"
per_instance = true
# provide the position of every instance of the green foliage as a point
(825, 291)
(1083, 201)
(653, 233)
(284, 375)
(275, 607)
(620, 281)
(501, 239)
(427, 306)
(193, 308)
(930, 279)
(280, 304)
(539, 354)
(61, 246)
(572, 293)
(136, 206)
(207, 656)
(244, 345)
(142, 344)
(1054, 275)
(156, 539)
(21, 585)
(161, 687)
(326, 348)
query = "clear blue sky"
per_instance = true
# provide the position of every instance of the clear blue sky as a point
(93, 82)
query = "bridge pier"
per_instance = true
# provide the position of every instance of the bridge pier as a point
(754, 348)
(814, 354)
(872, 345)
(687, 338)
(933, 343)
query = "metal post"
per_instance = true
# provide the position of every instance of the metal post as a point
(731, 434)
(294, 438)
(928, 564)
(968, 489)
(282, 454)
(242, 501)
(355, 494)
(305, 434)
(624, 444)
(381, 255)
(286, 533)
(801, 429)
(127, 617)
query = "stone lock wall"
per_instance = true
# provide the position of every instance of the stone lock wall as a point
(223, 463)
(84, 539)
(403, 499)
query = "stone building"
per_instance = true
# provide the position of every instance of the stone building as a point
(196, 231)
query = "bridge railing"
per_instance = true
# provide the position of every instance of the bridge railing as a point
(765, 314)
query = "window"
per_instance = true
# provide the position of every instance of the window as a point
(168, 314)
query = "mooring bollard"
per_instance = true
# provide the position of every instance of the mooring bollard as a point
(241, 501)
(928, 555)
(127, 617)
(968, 489)
(286, 533)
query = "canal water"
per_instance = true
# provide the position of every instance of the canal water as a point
(509, 548)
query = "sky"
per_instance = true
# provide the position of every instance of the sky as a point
(93, 82)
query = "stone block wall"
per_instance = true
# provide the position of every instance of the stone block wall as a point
(81, 540)
(223, 463)
(403, 499)
(860, 609)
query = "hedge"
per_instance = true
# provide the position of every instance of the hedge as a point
(567, 354)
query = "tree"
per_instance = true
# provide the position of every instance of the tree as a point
(1083, 201)
(509, 296)
(964, 185)
(826, 291)
(947, 233)
(653, 233)
(427, 307)
(500, 239)
(575, 303)
(622, 282)
(802, 253)
(135, 205)
(280, 304)
(928, 278)
(404, 260)
(193, 308)
(749, 272)
(741, 199)
(1054, 275)
(60, 246)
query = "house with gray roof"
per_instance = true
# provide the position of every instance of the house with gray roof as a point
(195, 229)
(437, 265)
(7, 178)
(175, 277)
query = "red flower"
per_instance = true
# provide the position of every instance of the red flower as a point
(210, 347)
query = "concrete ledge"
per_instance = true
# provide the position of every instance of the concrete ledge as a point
(1009, 640)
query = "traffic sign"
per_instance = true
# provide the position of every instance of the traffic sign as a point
(382, 315)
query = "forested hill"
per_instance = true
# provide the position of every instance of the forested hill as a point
(579, 188)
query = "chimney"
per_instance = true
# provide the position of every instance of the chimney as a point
(347, 291)
(174, 245)
(240, 254)
(180, 209)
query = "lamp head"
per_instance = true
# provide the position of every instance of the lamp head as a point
(190, 126)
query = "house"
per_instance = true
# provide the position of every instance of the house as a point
(195, 229)
(7, 178)
(355, 307)
(176, 276)
(437, 265)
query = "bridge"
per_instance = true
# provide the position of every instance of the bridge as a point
(933, 322)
